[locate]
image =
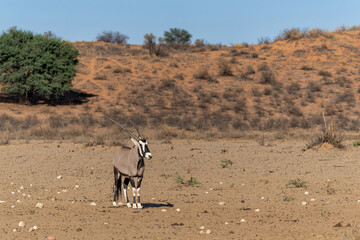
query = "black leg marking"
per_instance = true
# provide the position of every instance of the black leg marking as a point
(116, 184)
(126, 183)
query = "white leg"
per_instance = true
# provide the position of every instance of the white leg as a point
(134, 196)
(138, 194)
(114, 204)
(126, 198)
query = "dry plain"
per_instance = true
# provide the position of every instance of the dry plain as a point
(254, 188)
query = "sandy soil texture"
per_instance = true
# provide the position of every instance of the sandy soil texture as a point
(245, 192)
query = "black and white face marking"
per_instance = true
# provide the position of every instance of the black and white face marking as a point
(144, 149)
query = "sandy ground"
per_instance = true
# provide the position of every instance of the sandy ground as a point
(254, 188)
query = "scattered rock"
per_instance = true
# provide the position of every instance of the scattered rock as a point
(21, 224)
(39, 205)
(208, 231)
(226, 223)
(338, 225)
(59, 177)
(18, 201)
(304, 203)
(93, 204)
(202, 228)
(306, 193)
(22, 187)
(163, 210)
(2, 201)
(51, 238)
(201, 231)
(221, 203)
(242, 220)
(313, 199)
(33, 228)
(257, 210)
(178, 209)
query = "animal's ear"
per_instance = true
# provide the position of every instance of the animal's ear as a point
(135, 142)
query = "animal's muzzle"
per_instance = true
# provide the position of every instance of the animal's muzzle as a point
(148, 156)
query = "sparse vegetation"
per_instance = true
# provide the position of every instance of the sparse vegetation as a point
(191, 182)
(327, 136)
(112, 37)
(226, 163)
(297, 183)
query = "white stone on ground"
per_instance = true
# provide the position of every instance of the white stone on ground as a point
(313, 199)
(39, 205)
(226, 223)
(93, 204)
(59, 177)
(304, 203)
(306, 193)
(257, 210)
(21, 224)
(18, 201)
(221, 203)
(163, 210)
(2, 201)
(178, 209)
(202, 228)
(208, 231)
(242, 220)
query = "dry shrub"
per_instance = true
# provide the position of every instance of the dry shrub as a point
(314, 87)
(4, 139)
(316, 32)
(267, 77)
(325, 73)
(327, 136)
(306, 68)
(225, 69)
(290, 34)
(203, 73)
(293, 88)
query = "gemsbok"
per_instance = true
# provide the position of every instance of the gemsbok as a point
(129, 163)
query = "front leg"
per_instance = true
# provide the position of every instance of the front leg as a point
(132, 181)
(138, 192)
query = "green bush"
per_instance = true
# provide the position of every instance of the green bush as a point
(177, 35)
(33, 65)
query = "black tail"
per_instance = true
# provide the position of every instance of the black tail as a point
(117, 184)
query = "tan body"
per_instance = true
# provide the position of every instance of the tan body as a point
(129, 163)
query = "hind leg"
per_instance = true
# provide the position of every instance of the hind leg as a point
(117, 178)
(125, 184)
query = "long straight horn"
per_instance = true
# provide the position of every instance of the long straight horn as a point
(137, 129)
(123, 128)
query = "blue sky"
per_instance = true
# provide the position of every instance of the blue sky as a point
(225, 21)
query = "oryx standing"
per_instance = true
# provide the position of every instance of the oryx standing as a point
(129, 162)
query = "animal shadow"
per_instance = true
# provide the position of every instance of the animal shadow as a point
(157, 205)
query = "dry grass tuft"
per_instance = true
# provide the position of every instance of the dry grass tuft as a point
(327, 136)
